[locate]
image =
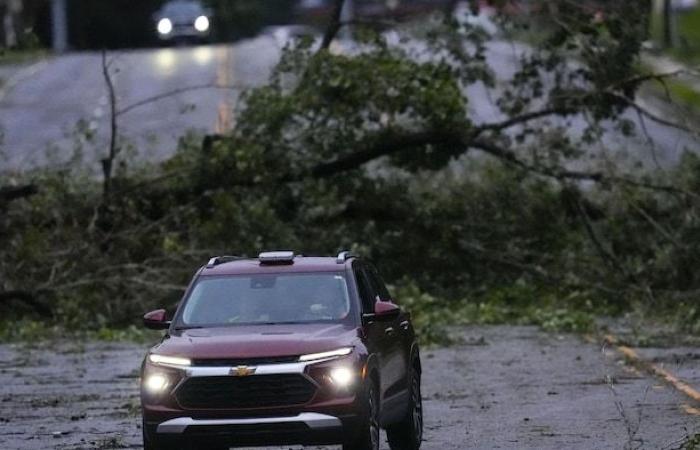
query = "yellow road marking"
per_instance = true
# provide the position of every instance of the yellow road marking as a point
(224, 119)
(660, 372)
(677, 383)
(590, 338)
(690, 410)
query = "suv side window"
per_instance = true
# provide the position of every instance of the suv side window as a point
(377, 283)
(365, 288)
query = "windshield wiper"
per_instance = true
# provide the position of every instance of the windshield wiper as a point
(188, 327)
(278, 323)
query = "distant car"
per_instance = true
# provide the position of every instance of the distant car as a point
(183, 20)
(279, 350)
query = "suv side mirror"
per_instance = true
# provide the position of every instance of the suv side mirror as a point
(384, 311)
(156, 320)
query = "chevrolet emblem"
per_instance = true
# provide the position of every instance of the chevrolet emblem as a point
(242, 371)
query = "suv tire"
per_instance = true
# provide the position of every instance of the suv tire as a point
(151, 443)
(148, 442)
(367, 434)
(408, 434)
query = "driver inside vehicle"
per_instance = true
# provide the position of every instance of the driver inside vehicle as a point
(327, 301)
(268, 299)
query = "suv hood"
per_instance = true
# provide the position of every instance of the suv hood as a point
(256, 341)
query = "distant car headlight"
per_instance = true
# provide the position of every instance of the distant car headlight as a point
(342, 376)
(156, 383)
(165, 26)
(201, 24)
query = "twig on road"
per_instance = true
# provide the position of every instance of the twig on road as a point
(175, 92)
(660, 120)
(632, 427)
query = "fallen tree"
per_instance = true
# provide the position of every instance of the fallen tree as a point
(384, 148)
(11, 193)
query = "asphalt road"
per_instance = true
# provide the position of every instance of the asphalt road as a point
(46, 108)
(504, 387)
(49, 105)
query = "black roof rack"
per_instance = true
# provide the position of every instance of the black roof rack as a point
(215, 261)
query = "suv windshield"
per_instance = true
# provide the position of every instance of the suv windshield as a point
(267, 298)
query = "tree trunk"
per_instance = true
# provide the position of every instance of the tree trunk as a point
(334, 24)
(10, 193)
(667, 24)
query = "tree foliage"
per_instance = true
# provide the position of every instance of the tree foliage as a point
(387, 147)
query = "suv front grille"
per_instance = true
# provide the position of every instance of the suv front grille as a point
(255, 391)
(245, 361)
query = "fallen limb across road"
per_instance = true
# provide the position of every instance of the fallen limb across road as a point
(10, 193)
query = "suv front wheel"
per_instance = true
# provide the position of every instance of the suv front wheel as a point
(408, 434)
(148, 441)
(367, 437)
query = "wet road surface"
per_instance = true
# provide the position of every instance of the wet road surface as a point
(53, 105)
(503, 387)
(50, 107)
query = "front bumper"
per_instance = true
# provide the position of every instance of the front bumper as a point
(314, 421)
(327, 418)
(302, 429)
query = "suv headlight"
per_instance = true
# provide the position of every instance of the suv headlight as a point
(169, 360)
(342, 377)
(325, 355)
(156, 383)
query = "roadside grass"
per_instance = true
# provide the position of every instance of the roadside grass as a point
(645, 324)
(514, 305)
(650, 325)
(32, 331)
(13, 57)
(688, 50)
(673, 90)
(684, 94)
(691, 443)
(689, 30)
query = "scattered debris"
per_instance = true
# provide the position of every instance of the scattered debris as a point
(77, 417)
(475, 341)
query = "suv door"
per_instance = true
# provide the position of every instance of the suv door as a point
(378, 340)
(397, 331)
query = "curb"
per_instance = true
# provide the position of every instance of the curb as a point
(20, 76)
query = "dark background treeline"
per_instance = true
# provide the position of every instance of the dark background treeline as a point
(129, 24)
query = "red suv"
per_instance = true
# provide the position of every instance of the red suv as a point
(281, 350)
